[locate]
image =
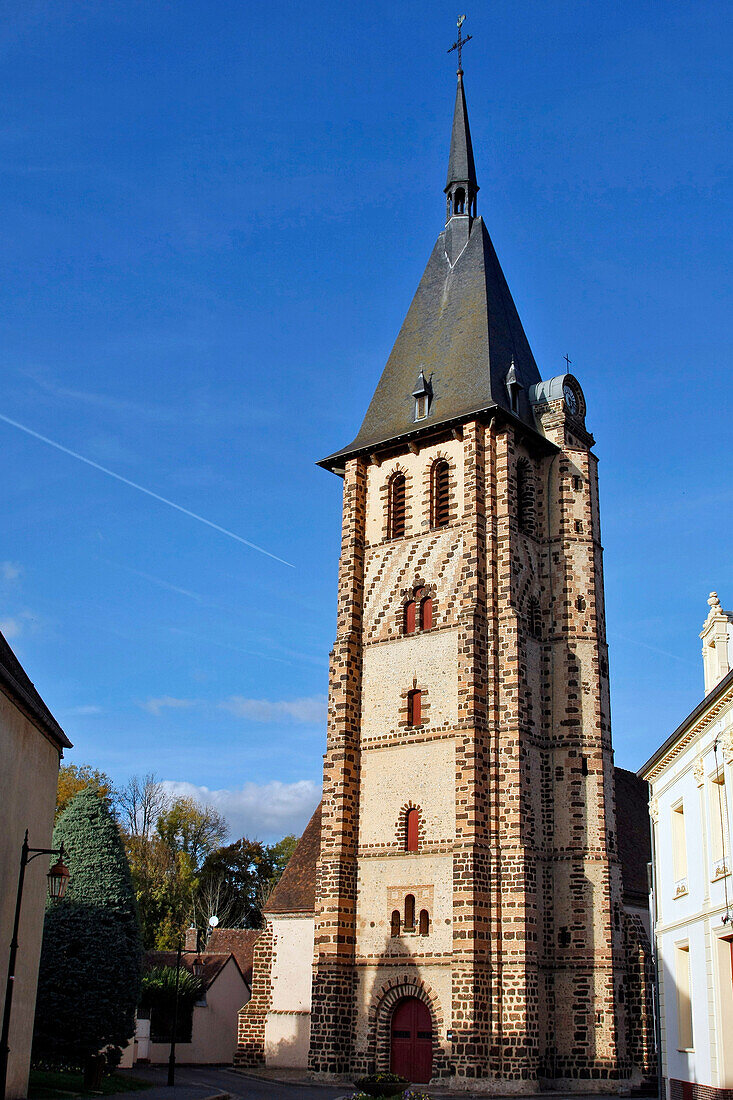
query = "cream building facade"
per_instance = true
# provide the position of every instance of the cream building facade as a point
(690, 780)
(31, 747)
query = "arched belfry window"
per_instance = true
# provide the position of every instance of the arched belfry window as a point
(424, 926)
(395, 923)
(525, 497)
(459, 201)
(409, 622)
(410, 913)
(534, 615)
(396, 507)
(426, 612)
(440, 494)
(412, 827)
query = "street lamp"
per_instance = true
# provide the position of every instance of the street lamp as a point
(58, 877)
(198, 966)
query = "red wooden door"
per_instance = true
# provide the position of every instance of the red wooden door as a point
(412, 1041)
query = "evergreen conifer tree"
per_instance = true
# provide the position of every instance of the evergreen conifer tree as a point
(89, 979)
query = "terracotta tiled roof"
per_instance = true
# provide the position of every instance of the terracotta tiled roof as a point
(239, 942)
(296, 890)
(214, 963)
(15, 683)
(634, 835)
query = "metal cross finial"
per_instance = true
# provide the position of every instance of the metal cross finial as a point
(460, 43)
(568, 360)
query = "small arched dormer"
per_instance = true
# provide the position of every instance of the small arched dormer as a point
(396, 505)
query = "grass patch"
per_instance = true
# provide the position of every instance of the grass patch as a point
(47, 1084)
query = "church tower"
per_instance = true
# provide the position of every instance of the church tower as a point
(468, 906)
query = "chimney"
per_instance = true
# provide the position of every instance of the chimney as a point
(191, 939)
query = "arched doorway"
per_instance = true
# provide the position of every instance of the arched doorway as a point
(412, 1041)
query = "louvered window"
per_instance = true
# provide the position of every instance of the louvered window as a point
(440, 492)
(396, 513)
(525, 497)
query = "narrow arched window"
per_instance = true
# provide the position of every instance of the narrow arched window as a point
(396, 507)
(414, 708)
(412, 825)
(409, 618)
(534, 616)
(426, 613)
(525, 497)
(459, 201)
(410, 913)
(424, 925)
(440, 494)
(395, 923)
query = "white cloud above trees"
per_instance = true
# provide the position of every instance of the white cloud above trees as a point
(259, 811)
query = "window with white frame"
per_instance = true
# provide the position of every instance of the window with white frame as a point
(679, 849)
(718, 805)
(684, 996)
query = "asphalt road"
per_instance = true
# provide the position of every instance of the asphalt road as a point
(196, 1082)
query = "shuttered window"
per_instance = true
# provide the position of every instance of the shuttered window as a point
(440, 492)
(409, 623)
(396, 507)
(426, 613)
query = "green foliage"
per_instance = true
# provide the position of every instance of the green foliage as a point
(89, 979)
(158, 999)
(234, 883)
(74, 778)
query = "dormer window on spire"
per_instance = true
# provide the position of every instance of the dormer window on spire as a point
(422, 395)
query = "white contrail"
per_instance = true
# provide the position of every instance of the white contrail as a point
(142, 489)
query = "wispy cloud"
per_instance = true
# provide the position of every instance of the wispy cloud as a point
(10, 570)
(83, 711)
(168, 702)
(266, 811)
(310, 709)
(11, 628)
(142, 489)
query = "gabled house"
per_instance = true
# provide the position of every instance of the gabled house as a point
(31, 746)
(226, 978)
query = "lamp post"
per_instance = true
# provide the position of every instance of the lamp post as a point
(58, 877)
(198, 969)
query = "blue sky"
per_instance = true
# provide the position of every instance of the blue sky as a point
(213, 217)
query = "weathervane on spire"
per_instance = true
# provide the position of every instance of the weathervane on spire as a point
(461, 42)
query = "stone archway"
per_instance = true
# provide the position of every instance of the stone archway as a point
(384, 1002)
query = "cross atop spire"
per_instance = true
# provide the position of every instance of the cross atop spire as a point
(461, 185)
(461, 42)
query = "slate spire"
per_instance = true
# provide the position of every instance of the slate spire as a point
(461, 185)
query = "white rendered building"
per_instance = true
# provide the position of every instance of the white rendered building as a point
(690, 780)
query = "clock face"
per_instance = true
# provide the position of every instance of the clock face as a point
(571, 399)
